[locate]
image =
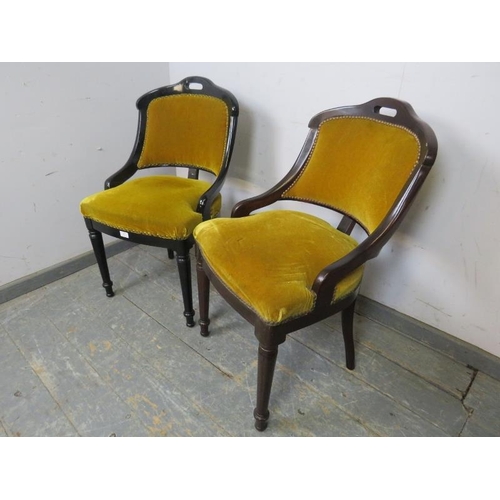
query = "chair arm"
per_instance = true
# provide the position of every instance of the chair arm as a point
(206, 200)
(205, 203)
(326, 281)
(247, 206)
(329, 277)
(120, 176)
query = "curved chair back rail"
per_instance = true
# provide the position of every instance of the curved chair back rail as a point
(189, 124)
(187, 94)
(366, 162)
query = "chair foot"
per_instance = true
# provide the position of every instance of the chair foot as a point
(109, 289)
(204, 327)
(189, 319)
(170, 254)
(260, 421)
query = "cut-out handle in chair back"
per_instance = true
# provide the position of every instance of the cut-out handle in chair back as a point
(191, 124)
(284, 270)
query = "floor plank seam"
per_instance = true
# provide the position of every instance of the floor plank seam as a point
(340, 407)
(194, 404)
(43, 383)
(128, 299)
(409, 370)
(470, 412)
(384, 355)
(353, 373)
(335, 403)
(418, 341)
(155, 369)
(5, 306)
(226, 374)
(171, 290)
(91, 365)
(163, 261)
(2, 427)
(475, 371)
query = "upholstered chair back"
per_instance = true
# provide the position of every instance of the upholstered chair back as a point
(358, 166)
(185, 129)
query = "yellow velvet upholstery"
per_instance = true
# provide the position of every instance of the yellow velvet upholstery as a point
(270, 259)
(185, 129)
(358, 166)
(159, 205)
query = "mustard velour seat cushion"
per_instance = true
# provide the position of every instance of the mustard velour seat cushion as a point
(159, 205)
(270, 260)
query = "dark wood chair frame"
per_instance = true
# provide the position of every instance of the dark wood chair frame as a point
(190, 85)
(271, 336)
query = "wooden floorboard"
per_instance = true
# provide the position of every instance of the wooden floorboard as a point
(408, 389)
(431, 365)
(76, 363)
(26, 406)
(483, 400)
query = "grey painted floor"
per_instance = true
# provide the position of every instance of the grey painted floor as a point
(75, 363)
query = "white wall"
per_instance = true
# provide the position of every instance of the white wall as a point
(65, 127)
(443, 265)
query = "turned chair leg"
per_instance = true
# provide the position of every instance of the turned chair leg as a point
(203, 297)
(100, 255)
(184, 266)
(347, 330)
(265, 372)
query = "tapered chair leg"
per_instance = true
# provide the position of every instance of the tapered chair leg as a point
(184, 265)
(100, 255)
(265, 373)
(203, 297)
(347, 331)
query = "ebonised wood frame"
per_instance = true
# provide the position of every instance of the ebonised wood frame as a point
(270, 336)
(190, 85)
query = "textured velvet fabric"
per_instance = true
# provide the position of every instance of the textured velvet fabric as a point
(185, 129)
(270, 259)
(159, 205)
(359, 166)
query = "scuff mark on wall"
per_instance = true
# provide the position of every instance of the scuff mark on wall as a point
(465, 268)
(477, 246)
(23, 258)
(402, 80)
(481, 176)
(479, 328)
(434, 307)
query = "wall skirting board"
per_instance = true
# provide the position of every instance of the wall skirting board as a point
(41, 278)
(453, 347)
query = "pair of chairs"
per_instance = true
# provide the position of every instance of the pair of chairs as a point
(282, 270)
